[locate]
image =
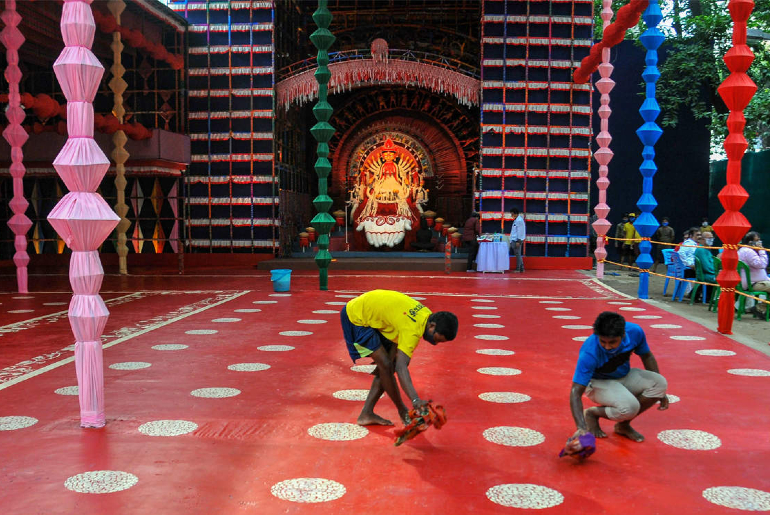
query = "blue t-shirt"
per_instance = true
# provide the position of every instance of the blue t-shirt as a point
(596, 363)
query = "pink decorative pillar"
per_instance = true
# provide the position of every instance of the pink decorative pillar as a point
(82, 218)
(16, 136)
(604, 155)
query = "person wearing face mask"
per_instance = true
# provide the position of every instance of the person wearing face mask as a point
(603, 372)
(705, 226)
(631, 248)
(756, 260)
(387, 326)
(665, 234)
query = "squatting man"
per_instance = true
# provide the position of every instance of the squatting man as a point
(603, 372)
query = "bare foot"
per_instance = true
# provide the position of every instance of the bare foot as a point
(592, 424)
(372, 419)
(625, 429)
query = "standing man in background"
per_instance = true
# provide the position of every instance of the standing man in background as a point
(518, 235)
(664, 234)
(620, 233)
(471, 230)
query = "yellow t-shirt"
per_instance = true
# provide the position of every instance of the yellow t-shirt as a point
(398, 317)
(631, 233)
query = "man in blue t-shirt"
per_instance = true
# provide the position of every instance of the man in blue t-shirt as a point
(604, 373)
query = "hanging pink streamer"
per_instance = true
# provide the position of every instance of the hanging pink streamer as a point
(16, 136)
(82, 218)
(604, 155)
(303, 87)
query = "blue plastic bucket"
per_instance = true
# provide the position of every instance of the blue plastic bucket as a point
(281, 279)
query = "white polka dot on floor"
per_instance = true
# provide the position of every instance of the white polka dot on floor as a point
(280, 295)
(738, 498)
(16, 311)
(690, 439)
(489, 326)
(577, 327)
(226, 320)
(481, 300)
(100, 482)
(499, 371)
(23, 297)
(749, 372)
(55, 303)
(504, 397)
(367, 369)
(627, 308)
(687, 338)
(490, 337)
(666, 326)
(647, 317)
(524, 495)
(201, 331)
(67, 390)
(513, 436)
(308, 489)
(265, 302)
(566, 317)
(715, 352)
(558, 309)
(495, 352)
(486, 316)
(130, 365)
(326, 312)
(483, 307)
(308, 321)
(169, 346)
(248, 367)
(346, 296)
(15, 422)
(295, 333)
(275, 348)
(351, 395)
(336, 303)
(580, 338)
(168, 427)
(215, 393)
(418, 298)
(619, 303)
(338, 431)
(551, 302)
(247, 310)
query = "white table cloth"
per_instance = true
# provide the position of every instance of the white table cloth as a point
(492, 257)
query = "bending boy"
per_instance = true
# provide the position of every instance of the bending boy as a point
(387, 326)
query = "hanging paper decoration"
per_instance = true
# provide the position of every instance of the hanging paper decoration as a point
(649, 133)
(82, 218)
(119, 153)
(604, 155)
(16, 136)
(302, 88)
(736, 91)
(322, 131)
(628, 16)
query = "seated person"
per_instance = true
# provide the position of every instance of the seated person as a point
(687, 254)
(706, 259)
(756, 260)
(424, 237)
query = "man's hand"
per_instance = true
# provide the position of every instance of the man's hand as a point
(663, 403)
(418, 403)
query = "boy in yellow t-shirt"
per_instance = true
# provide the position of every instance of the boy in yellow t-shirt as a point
(387, 326)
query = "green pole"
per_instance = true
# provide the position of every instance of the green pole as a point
(322, 131)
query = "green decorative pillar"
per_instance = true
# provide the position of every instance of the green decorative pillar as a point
(322, 131)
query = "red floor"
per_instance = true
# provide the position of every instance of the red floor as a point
(246, 445)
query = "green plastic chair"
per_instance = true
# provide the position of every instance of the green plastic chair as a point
(701, 278)
(717, 290)
(748, 291)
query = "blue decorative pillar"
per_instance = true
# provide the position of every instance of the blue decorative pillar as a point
(646, 224)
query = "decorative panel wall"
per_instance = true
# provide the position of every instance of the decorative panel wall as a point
(536, 124)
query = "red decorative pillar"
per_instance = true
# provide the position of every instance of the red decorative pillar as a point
(736, 91)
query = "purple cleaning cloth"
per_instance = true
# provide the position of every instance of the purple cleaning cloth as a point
(587, 444)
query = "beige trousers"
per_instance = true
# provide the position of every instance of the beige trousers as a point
(618, 396)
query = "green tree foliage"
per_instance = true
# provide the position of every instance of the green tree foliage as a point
(699, 32)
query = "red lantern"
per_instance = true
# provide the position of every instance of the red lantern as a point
(429, 220)
(439, 226)
(456, 239)
(341, 221)
(304, 241)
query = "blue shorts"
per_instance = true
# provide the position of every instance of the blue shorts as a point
(362, 341)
